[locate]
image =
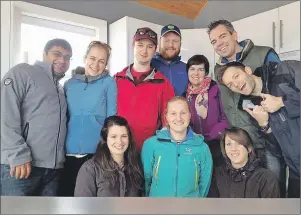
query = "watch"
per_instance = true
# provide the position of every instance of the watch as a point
(265, 128)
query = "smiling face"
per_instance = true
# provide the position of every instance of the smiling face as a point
(118, 140)
(223, 41)
(238, 80)
(144, 50)
(237, 153)
(178, 116)
(96, 61)
(59, 58)
(170, 45)
(196, 74)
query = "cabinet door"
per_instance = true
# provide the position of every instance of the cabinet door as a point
(260, 28)
(289, 21)
(196, 41)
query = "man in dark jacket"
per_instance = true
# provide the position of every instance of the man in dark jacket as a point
(278, 114)
(168, 61)
(33, 123)
(224, 38)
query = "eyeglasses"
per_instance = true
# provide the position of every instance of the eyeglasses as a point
(143, 31)
(58, 54)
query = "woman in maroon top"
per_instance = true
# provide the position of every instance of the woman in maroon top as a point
(207, 114)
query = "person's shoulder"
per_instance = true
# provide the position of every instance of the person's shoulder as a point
(265, 174)
(21, 68)
(90, 164)
(151, 140)
(19, 72)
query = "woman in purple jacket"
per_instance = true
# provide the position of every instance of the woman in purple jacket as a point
(207, 113)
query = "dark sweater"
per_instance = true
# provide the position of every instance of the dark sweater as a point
(251, 181)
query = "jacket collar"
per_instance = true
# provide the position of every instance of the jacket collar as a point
(127, 73)
(164, 135)
(265, 72)
(240, 56)
(173, 61)
(47, 68)
(244, 172)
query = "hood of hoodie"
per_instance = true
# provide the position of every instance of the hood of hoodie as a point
(79, 74)
(160, 58)
(247, 46)
(244, 172)
(191, 138)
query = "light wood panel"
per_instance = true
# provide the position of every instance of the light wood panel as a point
(187, 9)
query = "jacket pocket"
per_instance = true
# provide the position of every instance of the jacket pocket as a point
(156, 170)
(196, 179)
(25, 131)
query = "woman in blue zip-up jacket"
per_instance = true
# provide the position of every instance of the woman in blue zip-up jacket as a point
(91, 98)
(176, 162)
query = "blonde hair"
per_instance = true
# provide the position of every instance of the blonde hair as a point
(96, 43)
(177, 98)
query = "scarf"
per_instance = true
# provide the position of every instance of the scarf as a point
(201, 101)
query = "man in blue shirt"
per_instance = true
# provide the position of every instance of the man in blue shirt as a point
(168, 61)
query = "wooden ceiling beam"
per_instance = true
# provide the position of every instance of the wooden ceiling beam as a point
(187, 9)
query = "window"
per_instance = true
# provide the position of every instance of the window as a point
(35, 36)
(31, 26)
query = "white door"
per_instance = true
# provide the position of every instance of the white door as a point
(196, 41)
(260, 28)
(289, 19)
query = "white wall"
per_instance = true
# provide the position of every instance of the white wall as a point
(5, 36)
(117, 41)
(196, 41)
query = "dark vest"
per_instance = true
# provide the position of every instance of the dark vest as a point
(252, 56)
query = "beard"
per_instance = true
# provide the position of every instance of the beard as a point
(166, 56)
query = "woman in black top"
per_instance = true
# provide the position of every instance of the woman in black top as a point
(241, 176)
(115, 170)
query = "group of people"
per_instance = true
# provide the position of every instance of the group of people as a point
(158, 128)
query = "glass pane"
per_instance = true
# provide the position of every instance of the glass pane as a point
(34, 38)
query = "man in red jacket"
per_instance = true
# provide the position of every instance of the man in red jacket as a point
(143, 91)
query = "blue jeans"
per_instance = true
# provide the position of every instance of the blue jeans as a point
(41, 182)
(276, 164)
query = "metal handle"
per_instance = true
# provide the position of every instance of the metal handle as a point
(281, 34)
(274, 41)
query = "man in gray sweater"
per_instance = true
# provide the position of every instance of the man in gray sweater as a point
(33, 123)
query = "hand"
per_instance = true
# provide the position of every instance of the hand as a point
(21, 171)
(259, 114)
(271, 103)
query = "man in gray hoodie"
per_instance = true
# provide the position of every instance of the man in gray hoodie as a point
(33, 123)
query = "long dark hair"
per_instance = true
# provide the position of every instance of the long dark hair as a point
(132, 162)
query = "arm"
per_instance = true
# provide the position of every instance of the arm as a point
(85, 181)
(205, 171)
(167, 94)
(112, 98)
(222, 124)
(147, 162)
(14, 87)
